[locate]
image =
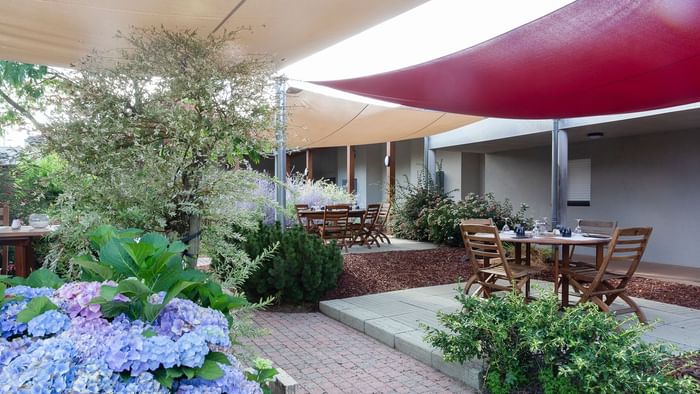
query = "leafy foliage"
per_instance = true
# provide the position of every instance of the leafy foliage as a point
(36, 184)
(263, 373)
(578, 350)
(38, 278)
(443, 220)
(21, 88)
(413, 203)
(160, 139)
(302, 268)
(146, 266)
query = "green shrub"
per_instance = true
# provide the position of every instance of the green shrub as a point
(413, 203)
(578, 350)
(443, 220)
(302, 268)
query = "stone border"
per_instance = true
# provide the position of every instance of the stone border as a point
(403, 338)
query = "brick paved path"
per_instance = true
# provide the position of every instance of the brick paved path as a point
(325, 356)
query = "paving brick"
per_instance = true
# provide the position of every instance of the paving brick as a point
(332, 358)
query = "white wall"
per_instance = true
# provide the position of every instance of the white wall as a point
(409, 160)
(451, 163)
(645, 180)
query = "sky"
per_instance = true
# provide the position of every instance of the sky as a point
(434, 29)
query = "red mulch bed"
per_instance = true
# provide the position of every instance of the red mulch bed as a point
(388, 271)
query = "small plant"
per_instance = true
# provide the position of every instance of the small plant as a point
(578, 350)
(147, 267)
(302, 269)
(263, 373)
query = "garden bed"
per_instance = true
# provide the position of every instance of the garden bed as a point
(387, 271)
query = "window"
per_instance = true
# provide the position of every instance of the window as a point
(579, 183)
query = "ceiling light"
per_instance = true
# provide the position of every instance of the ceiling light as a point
(595, 136)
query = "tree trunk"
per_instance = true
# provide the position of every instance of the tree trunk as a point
(193, 234)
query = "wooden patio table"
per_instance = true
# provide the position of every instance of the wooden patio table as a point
(565, 242)
(22, 241)
(311, 214)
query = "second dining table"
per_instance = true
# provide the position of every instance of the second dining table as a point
(314, 215)
(596, 241)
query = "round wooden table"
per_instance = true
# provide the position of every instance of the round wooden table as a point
(565, 242)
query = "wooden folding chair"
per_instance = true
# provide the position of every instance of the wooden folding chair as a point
(488, 258)
(603, 287)
(597, 227)
(366, 227)
(305, 222)
(335, 225)
(4, 250)
(380, 224)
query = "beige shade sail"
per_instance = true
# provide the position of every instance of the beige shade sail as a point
(61, 32)
(316, 120)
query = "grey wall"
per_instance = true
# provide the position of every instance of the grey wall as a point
(409, 160)
(472, 173)
(325, 162)
(645, 180)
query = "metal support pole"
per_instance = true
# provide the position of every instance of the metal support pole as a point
(555, 173)
(281, 156)
(428, 158)
(563, 163)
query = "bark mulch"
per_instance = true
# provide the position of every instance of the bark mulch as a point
(387, 271)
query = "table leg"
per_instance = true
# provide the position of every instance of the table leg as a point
(518, 251)
(22, 258)
(565, 278)
(555, 268)
(598, 255)
(528, 257)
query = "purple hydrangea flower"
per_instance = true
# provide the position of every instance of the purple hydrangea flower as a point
(192, 349)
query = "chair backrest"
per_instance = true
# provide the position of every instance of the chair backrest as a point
(481, 221)
(483, 242)
(336, 217)
(606, 227)
(372, 214)
(627, 245)
(4, 214)
(302, 220)
(383, 215)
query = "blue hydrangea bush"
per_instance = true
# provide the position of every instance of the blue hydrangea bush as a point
(59, 341)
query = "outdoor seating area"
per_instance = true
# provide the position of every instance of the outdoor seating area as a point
(346, 225)
(342, 196)
(593, 283)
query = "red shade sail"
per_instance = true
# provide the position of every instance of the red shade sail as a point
(592, 57)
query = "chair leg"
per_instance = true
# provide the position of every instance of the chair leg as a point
(637, 310)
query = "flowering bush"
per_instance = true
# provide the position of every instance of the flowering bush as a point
(69, 346)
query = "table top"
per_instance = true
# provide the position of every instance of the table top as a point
(554, 239)
(25, 231)
(320, 212)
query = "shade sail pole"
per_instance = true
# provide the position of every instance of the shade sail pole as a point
(563, 164)
(281, 156)
(555, 173)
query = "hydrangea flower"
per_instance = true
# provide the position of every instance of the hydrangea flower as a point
(233, 381)
(29, 292)
(48, 323)
(192, 349)
(76, 350)
(182, 316)
(45, 367)
(9, 326)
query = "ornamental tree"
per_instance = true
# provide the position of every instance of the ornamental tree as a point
(157, 136)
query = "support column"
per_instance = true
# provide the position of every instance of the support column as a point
(281, 156)
(350, 160)
(391, 170)
(309, 164)
(428, 158)
(560, 174)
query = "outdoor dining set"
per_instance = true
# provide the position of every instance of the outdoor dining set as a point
(346, 225)
(595, 282)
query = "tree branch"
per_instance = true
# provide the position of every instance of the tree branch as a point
(22, 110)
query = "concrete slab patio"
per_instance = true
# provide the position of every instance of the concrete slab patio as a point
(397, 245)
(394, 319)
